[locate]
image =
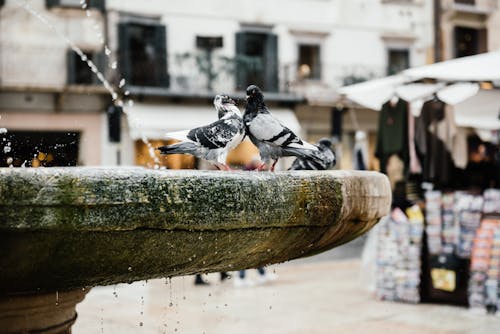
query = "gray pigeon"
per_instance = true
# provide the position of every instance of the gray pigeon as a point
(273, 139)
(325, 152)
(214, 141)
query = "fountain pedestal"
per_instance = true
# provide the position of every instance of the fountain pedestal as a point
(47, 313)
(67, 228)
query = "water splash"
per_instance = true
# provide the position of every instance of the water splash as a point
(115, 96)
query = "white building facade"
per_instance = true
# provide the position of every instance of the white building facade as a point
(175, 56)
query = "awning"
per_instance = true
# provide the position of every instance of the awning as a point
(481, 67)
(153, 121)
(480, 111)
(373, 94)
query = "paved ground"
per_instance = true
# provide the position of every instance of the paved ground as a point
(317, 295)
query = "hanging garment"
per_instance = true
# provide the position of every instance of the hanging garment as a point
(435, 157)
(360, 155)
(415, 167)
(392, 133)
(453, 137)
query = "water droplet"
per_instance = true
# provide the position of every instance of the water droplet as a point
(7, 149)
(130, 103)
(141, 324)
(107, 50)
(268, 250)
(270, 307)
(114, 65)
(184, 297)
(3, 130)
(170, 304)
(127, 93)
(129, 268)
(83, 58)
(88, 13)
(122, 83)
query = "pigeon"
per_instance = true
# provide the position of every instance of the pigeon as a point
(273, 139)
(214, 141)
(327, 162)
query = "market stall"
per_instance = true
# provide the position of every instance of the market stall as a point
(438, 140)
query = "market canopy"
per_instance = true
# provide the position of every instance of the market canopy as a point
(481, 67)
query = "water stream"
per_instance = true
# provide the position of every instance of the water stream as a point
(119, 96)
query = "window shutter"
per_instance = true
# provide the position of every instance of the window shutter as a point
(124, 54)
(271, 64)
(98, 4)
(483, 40)
(162, 78)
(240, 67)
(99, 60)
(70, 67)
(52, 3)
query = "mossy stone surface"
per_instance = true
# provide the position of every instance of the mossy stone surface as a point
(62, 228)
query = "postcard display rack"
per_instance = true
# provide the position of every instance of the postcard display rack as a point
(484, 291)
(456, 260)
(398, 255)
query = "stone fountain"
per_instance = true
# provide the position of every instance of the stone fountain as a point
(65, 230)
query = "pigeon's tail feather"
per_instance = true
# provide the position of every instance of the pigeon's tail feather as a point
(179, 148)
(178, 135)
(304, 145)
(300, 153)
(314, 156)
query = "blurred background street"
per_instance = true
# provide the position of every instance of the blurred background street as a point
(322, 294)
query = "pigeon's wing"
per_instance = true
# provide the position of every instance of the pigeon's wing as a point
(215, 135)
(266, 128)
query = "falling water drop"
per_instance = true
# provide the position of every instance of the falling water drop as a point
(141, 324)
(107, 50)
(3, 130)
(57, 298)
(130, 268)
(122, 83)
(127, 93)
(130, 103)
(114, 65)
(7, 149)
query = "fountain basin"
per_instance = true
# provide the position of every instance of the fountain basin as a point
(67, 228)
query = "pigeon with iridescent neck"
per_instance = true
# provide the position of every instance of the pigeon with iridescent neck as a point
(273, 139)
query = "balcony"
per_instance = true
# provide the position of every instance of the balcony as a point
(471, 7)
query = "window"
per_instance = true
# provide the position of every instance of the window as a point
(79, 73)
(143, 54)
(309, 64)
(98, 4)
(257, 60)
(397, 60)
(469, 41)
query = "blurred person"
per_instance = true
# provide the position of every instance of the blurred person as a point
(198, 280)
(241, 280)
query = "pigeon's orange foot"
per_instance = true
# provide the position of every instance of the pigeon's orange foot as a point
(262, 167)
